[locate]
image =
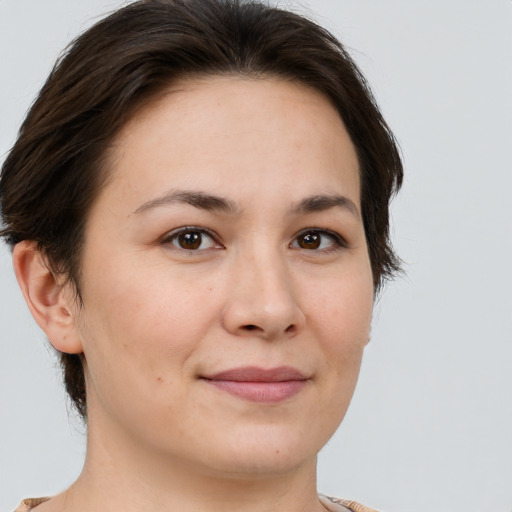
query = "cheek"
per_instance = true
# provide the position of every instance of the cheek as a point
(346, 311)
(343, 319)
(138, 298)
(141, 327)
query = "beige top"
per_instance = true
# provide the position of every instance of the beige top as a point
(331, 505)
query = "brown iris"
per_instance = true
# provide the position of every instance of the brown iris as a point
(190, 240)
(310, 240)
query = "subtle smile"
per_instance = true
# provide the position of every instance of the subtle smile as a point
(258, 384)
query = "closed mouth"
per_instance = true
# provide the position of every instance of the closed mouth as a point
(259, 384)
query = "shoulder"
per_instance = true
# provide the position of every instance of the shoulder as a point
(29, 504)
(339, 505)
(331, 504)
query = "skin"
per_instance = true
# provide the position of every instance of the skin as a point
(256, 291)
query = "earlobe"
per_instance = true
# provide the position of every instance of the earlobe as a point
(48, 299)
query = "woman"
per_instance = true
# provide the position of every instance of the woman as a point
(198, 208)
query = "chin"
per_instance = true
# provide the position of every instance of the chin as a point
(266, 452)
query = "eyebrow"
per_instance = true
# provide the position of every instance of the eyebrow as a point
(321, 203)
(209, 202)
(195, 198)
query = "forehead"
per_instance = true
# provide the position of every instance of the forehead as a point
(232, 132)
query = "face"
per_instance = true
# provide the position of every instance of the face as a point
(225, 276)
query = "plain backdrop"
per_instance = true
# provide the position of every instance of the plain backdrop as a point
(430, 425)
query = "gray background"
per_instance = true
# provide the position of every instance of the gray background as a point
(431, 423)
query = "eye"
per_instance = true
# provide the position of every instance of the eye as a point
(192, 239)
(318, 240)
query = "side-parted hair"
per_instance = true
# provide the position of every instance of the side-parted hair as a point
(57, 166)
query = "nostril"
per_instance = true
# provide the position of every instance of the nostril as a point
(251, 327)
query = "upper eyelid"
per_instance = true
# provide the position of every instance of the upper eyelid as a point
(201, 229)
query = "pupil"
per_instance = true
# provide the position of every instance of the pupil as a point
(310, 241)
(190, 240)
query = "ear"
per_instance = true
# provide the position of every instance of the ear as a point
(50, 301)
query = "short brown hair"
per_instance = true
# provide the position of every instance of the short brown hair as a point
(56, 167)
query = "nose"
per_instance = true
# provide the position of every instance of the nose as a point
(263, 301)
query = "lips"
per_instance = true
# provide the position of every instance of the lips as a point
(259, 384)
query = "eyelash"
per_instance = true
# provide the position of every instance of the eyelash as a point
(170, 238)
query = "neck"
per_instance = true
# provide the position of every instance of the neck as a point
(116, 478)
